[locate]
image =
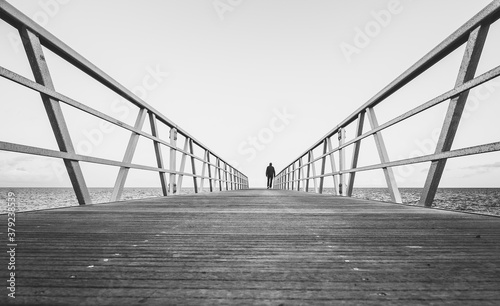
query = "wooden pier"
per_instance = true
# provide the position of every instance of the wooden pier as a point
(255, 247)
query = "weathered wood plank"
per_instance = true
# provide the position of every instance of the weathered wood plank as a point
(266, 247)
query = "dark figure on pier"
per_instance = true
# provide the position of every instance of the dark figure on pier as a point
(270, 175)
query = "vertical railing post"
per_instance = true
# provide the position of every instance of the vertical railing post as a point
(231, 172)
(308, 170)
(226, 176)
(232, 181)
(203, 167)
(298, 174)
(173, 159)
(293, 176)
(216, 173)
(230, 169)
(384, 158)
(341, 134)
(157, 148)
(323, 164)
(183, 165)
(127, 158)
(313, 167)
(193, 166)
(456, 107)
(219, 174)
(355, 153)
(210, 171)
(53, 109)
(332, 164)
(304, 177)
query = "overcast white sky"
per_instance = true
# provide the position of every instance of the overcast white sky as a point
(280, 72)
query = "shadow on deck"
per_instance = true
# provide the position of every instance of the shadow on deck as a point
(265, 247)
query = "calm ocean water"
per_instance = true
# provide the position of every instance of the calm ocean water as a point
(479, 200)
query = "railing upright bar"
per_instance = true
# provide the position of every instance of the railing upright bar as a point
(293, 176)
(173, 159)
(41, 72)
(129, 155)
(313, 167)
(210, 172)
(203, 169)
(303, 175)
(341, 134)
(468, 67)
(193, 166)
(158, 154)
(219, 175)
(287, 178)
(233, 179)
(308, 170)
(299, 172)
(234, 184)
(355, 153)
(323, 164)
(332, 165)
(230, 175)
(226, 176)
(384, 157)
(183, 165)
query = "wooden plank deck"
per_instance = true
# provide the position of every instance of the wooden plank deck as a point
(262, 247)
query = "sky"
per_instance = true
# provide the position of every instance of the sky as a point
(257, 81)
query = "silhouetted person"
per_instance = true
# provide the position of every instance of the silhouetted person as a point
(270, 173)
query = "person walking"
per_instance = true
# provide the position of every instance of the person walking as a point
(270, 173)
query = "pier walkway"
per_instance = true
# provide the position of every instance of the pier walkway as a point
(257, 246)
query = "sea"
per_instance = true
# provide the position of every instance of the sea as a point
(471, 200)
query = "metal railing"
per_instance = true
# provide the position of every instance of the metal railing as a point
(473, 34)
(34, 37)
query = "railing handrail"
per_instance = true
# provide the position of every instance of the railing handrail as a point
(17, 19)
(35, 36)
(452, 42)
(473, 33)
